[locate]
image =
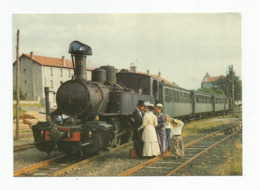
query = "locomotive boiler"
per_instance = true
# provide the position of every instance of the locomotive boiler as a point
(98, 112)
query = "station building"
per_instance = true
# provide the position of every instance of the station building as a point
(37, 72)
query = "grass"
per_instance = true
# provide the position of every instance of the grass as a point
(203, 126)
(31, 105)
(207, 125)
(21, 111)
(233, 166)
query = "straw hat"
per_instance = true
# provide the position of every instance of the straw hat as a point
(159, 105)
(174, 122)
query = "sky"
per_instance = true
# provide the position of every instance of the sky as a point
(182, 46)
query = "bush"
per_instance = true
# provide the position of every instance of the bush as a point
(22, 96)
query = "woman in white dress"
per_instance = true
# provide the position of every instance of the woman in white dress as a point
(149, 137)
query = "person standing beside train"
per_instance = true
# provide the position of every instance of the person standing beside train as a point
(160, 129)
(177, 143)
(138, 118)
(169, 130)
(149, 137)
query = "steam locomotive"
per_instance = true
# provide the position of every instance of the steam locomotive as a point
(99, 112)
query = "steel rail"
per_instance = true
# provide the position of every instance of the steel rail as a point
(202, 152)
(39, 165)
(142, 165)
(69, 168)
(23, 147)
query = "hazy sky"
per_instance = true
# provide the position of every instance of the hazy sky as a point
(182, 46)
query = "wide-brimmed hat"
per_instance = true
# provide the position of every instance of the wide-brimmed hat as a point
(159, 105)
(146, 103)
(174, 122)
(150, 106)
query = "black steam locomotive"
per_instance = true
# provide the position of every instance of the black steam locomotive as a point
(100, 111)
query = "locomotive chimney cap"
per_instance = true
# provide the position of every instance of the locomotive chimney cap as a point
(78, 47)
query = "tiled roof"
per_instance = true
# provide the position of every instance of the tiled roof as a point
(50, 61)
(211, 79)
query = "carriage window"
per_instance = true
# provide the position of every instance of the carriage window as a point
(155, 87)
(175, 96)
(172, 98)
(144, 86)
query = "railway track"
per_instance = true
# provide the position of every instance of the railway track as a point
(23, 147)
(165, 165)
(58, 165)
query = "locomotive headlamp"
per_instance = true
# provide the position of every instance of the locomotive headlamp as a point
(90, 134)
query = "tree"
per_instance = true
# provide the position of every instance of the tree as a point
(22, 96)
(207, 90)
(224, 83)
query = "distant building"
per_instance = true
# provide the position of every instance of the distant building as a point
(37, 72)
(209, 81)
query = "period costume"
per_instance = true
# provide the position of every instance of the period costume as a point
(169, 133)
(151, 146)
(137, 135)
(161, 133)
(177, 143)
(138, 120)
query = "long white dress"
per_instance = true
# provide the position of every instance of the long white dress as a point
(149, 137)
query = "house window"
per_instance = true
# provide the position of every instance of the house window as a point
(51, 72)
(51, 85)
(61, 72)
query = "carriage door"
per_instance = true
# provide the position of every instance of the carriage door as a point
(192, 97)
(156, 90)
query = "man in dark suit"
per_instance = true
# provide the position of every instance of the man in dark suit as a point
(138, 121)
(138, 118)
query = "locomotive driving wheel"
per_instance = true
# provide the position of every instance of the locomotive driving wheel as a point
(129, 130)
(116, 141)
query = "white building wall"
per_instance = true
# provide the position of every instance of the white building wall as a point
(34, 77)
(30, 78)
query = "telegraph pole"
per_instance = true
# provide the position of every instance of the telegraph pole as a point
(233, 94)
(17, 85)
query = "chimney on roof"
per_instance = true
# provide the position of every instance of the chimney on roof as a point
(159, 74)
(132, 68)
(63, 61)
(148, 72)
(31, 54)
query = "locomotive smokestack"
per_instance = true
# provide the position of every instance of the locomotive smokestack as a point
(80, 52)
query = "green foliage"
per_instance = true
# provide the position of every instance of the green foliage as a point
(222, 86)
(21, 111)
(22, 96)
(219, 91)
(207, 90)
